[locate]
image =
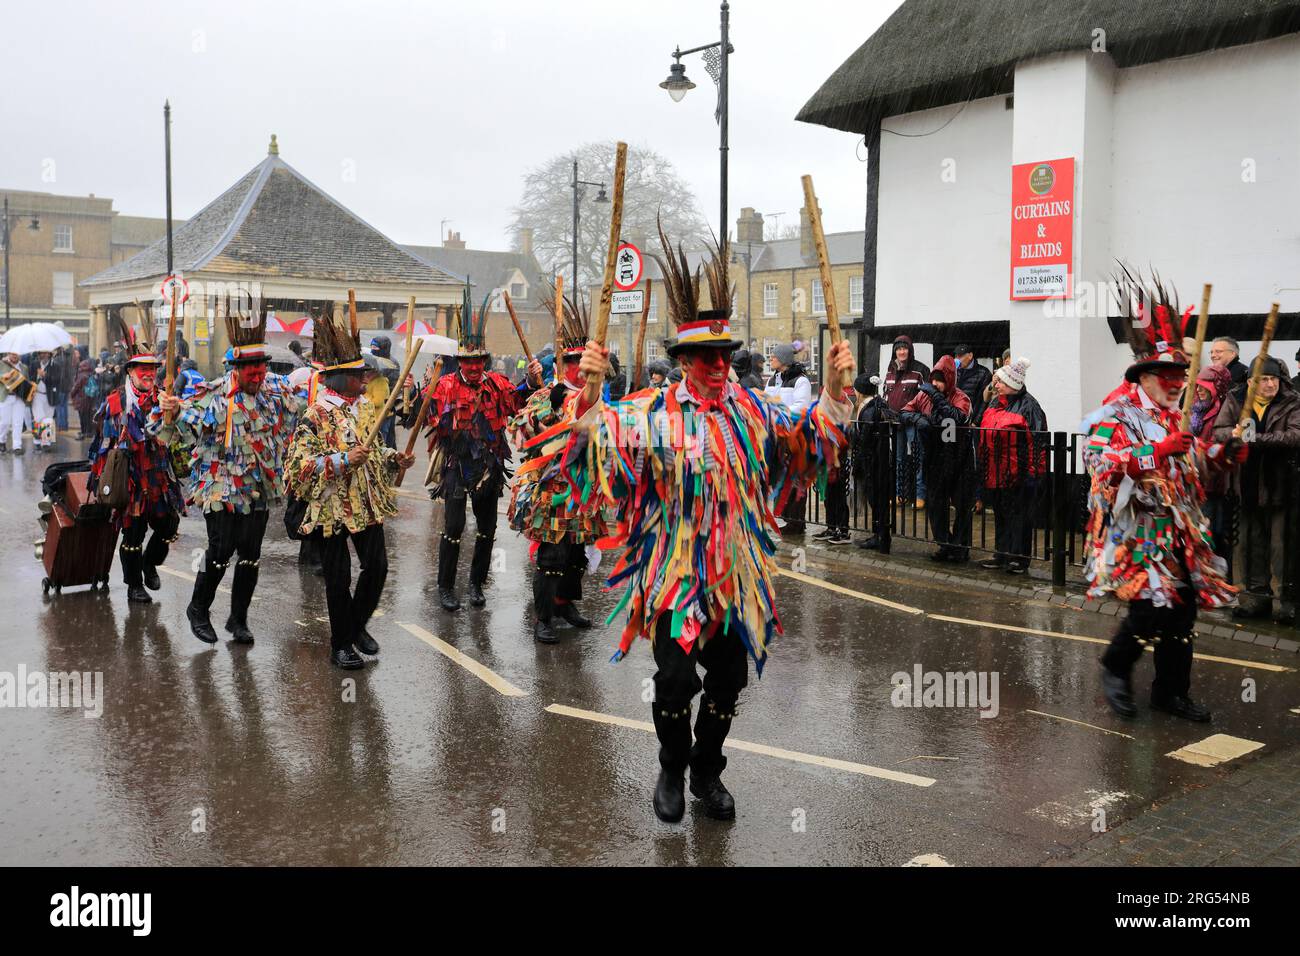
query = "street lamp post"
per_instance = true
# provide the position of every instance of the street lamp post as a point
(600, 197)
(34, 225)
(677, 85)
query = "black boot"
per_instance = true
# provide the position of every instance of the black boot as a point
(151, 579)
(205, 589)
(1180, 706)
(241, 597)
(674, 731)
(543, 633)
(366, 644)
(479, 565)
(136, 594)
(346, 659)
(569, 611)
(1119, 694)
(545, 583)
(476, 597)
(448, 559)
(707, 761)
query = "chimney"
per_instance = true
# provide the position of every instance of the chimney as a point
(453, 241)
(526, 241)
(807, 248)
(749, 227)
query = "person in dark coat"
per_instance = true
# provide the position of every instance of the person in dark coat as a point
(1226, 352)
(83, 403)
(1013, 455)
(1265, 486)
(902, 381)
(1213, 384)
(940, 412)
(972, 378)
(869, 457)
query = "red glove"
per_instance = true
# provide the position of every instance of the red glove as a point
(1240, 452)
(1175, 444)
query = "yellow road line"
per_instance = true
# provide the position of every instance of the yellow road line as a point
(861, 768)
(892, 605)
(1275, 668)
(1079, 723)
(486, 675)
(189, 577)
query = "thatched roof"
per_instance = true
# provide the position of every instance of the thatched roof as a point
(936, 52)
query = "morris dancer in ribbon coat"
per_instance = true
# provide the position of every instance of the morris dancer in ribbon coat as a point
(697, 472)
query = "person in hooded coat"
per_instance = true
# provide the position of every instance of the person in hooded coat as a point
(902, 381)
(940, 413)
(1265, 486)
(869, 454)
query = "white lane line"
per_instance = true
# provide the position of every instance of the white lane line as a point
(861, 768)
(892, 605)
(189, 577)
(486, 675)
(1080, 723)
(1276, 668)
(1214, 750)
(926, 757)
(927, 859)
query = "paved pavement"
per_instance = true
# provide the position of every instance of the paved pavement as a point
(465, 742)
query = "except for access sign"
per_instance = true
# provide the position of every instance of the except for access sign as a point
(627, 267)
(623, 303)
(1042, 229)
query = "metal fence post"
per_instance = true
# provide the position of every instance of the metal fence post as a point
(1060, 509)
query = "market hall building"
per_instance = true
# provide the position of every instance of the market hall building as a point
(1019, 149)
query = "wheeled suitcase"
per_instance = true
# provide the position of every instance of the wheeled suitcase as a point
(80, 538)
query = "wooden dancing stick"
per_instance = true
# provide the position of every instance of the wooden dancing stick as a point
(638, 361)
(559, 318)
(392, 396)
(510, 307)
(420, 417)
(410, 333)
(835, 382)
(592, 393)
(171, 343)
(1257, 371)
(1202, 323)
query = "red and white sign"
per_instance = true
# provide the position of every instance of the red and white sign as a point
(627, 267)
(1042, 230)
(421, 328)
(304, 326)
(169, 286)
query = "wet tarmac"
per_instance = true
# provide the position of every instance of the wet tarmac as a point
(268, 755)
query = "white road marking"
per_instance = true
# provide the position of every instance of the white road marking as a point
(927, 859)
(184, 576)
(830, 762)
(892, 605)
(486, 675)
(1072, 815)
(1276, 668)
(1214, 750)
(1080, 723)
(926, 757)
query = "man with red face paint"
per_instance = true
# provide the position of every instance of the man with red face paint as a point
(469, 412)
(154, 496)
(1149, 542)
(239, 427)
(539, 502)
(696, 473)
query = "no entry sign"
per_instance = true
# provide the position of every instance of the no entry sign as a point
(627, 267)
(173, 284)
(1042, 230)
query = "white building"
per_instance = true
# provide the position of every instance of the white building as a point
(1183, 121)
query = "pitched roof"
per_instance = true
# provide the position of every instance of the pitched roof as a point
(935, 52)
(485, 269)
(140, 230)
(843, 248)
(274, 222)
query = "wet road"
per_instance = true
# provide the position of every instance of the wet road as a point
(467, 743)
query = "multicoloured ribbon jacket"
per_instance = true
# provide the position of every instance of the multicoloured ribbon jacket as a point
(152, 488)
(1147, 533)
(238, 442)
(467, 437)
(316, 469)
(696, 485)
(541, 502)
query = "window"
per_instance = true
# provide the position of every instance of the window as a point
(518, 291)
(769, 300)
(616, 347)
(733, 301)
(62, 288)
(62, 238)
(818, 297)
(855, 293)
(4, 292)
(814, 359)
(653, 314)
(652, 350)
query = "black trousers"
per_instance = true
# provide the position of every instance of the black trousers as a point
(231, 533)
(1013, 528)
(837, 503)
(136, 556)
(953, 531)
(726, 672)
(350, 609)
(1170, 630)
(560, 568)
(1264, 548)
(484, 503)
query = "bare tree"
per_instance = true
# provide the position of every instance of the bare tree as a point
(651, 188)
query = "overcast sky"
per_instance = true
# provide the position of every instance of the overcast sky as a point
(414, 112)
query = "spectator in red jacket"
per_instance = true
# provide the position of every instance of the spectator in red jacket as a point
(902, 381)
(1013, 452)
